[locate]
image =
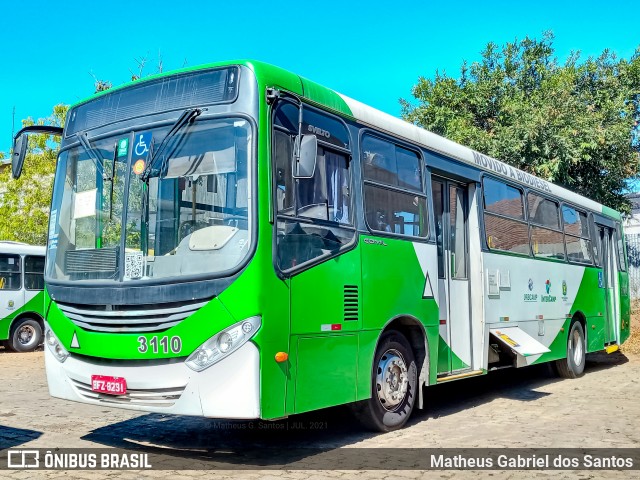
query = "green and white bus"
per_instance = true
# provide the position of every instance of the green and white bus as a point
(21, 296)
(236, 241)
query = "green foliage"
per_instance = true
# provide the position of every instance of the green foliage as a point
(24, 203)
(574, 124)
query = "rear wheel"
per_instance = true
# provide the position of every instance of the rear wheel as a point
(393, 385)
(573, 365)
(26, 335)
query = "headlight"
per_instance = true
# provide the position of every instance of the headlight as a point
(223, 344)
(55, 346)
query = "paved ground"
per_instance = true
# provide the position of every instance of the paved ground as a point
(523, 408)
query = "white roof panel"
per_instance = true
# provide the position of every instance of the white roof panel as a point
(412, 133)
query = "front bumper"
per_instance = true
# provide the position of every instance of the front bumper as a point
(228, 389)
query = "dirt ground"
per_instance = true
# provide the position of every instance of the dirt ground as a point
(509, 408)
(632, 345)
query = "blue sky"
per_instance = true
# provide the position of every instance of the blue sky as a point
(372, 51)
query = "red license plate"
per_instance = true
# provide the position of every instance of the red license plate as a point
(109, 385)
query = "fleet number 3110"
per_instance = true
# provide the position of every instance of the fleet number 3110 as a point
(157, 344)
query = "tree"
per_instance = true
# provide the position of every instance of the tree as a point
(24, 203)
(574, 124)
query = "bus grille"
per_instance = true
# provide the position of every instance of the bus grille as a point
(99, 260)
(159, 397)
(129, 319)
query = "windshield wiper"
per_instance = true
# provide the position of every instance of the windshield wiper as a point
(187, 117)
(93, 154)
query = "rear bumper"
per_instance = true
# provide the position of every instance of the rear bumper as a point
(228, 389)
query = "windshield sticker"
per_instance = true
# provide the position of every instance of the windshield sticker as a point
(138, 167)
(85, 204)
(53, 223)
(133, 265)
(123, 147)
(141, 145)
(53, 230)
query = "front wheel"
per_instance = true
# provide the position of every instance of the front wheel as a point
(573, 365)
(26, 335)
(393, 385)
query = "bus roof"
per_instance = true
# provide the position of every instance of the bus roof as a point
(277, 77)
(21, 248)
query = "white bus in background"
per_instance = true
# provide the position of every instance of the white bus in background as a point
(21, 295)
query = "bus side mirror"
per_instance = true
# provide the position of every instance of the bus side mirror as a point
(21, 142)
(305, 161)
(19, 152)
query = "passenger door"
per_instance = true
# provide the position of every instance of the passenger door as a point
(610, 284)
(451, 212)
(11, 291)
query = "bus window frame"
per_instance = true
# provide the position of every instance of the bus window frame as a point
(589, 216)
(24, 273)
(524, 220)
(545, 227)
(621, 252)
(595, 240)
(424, 192)
(275, 217)
(20, 272)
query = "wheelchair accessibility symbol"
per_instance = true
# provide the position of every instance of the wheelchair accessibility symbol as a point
(142, 144)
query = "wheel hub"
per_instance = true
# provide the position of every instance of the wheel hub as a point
(26, 334)
(392, 380)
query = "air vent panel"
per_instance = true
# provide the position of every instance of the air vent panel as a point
(351, 303)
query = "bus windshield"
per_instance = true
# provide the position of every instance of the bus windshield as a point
(113, 219)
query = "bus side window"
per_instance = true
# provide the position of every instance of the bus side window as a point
(621, 251)
(547, 239)
(576, 235)
(10, 272)
(505, 225)
(34, 272)
(393, 191)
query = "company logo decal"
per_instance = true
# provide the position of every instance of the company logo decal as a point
(548, 298)
(565, 298)
(319, 131)
(372, 241)
(530, 297)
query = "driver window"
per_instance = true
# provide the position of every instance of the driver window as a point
(314, 214)
(326, 195)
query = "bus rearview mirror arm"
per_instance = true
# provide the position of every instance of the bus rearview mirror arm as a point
(20, 143)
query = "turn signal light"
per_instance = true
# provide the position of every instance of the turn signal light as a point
(282, 357)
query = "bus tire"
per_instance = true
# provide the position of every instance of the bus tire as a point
(573, 365)
(394, 382)
(26, 335)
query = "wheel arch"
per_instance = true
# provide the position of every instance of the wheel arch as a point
(580, 317)
(416, 335)
(30, 314)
